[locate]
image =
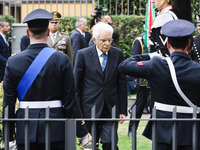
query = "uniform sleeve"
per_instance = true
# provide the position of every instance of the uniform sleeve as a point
(71, 104)
(9, 100)
(136, 66)
(122, 90)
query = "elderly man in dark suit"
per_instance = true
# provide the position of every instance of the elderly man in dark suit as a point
(50, 86)
(78, 36)
(4, 46)
(99, 83)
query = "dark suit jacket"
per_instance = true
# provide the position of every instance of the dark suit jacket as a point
(54, 82)
(95, 87)
(4, 54)
(25, 42)
(78, 42)
(156, 71)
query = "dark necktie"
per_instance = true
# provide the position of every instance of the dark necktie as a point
(104, 62)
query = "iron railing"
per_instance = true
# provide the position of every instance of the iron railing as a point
(70, 128)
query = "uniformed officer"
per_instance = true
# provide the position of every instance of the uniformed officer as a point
(156, 71)
(59, 40)
(41, 77)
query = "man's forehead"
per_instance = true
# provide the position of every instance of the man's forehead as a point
(106, 34)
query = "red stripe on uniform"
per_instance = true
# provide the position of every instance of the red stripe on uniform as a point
(140, 63)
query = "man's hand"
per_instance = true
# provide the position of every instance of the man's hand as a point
(155, 54)
(121, 116)
(158, 54)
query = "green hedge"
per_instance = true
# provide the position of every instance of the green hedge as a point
(129, 26)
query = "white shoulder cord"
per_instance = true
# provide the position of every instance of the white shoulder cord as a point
(174, 79)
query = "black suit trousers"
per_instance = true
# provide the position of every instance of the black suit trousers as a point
(104, 129)
(41, 146)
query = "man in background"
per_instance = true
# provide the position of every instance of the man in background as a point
(59, 41)
(4, 46)
(78, 36)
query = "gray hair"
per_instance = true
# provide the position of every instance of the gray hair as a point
(2, 21)
(80, 20)
(100, 26)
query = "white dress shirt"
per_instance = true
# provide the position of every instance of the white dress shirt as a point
(99, 52)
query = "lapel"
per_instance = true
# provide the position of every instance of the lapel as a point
(2, 41)
(110, 61)
(95, 60)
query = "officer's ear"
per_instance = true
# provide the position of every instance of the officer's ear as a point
(48, 30)
(27, 32)
(168, 45)
(189, 43)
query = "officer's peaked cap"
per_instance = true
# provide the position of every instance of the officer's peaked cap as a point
(38, 18)
(177, 28)
(56, 16)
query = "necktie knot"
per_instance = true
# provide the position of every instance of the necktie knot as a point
(53, 37)
(104, 62)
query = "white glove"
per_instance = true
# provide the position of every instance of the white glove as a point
(12, 145)
(154, 54)
(85, 142)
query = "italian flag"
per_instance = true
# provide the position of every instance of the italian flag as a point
(149, 19)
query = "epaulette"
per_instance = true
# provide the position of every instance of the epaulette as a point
(64, 33)
(140, 40)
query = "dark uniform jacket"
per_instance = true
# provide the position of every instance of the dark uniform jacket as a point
(95, 87)
(25, 42)
(63, 44)
(139, 48)
(195, 53)
(156, 71)
(4, 54)
(54, 82)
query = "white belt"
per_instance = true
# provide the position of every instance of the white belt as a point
(169, 108)
(40, 104)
